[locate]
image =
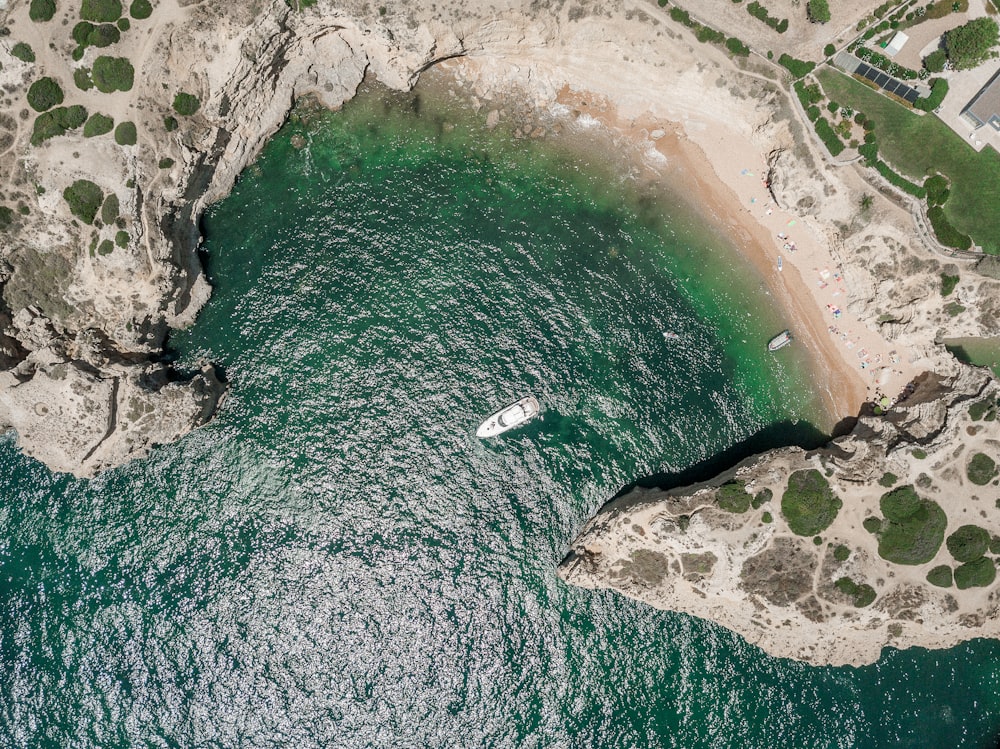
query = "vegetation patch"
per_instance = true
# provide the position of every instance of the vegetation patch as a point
(862, 594)
(974, 177)
(733, 497)
(809, 504)
(84, 198)
(98, 124)
(44, 94)
(968, 543)
(979, 409)
(759, 12)
(940, 576)
(981, 469)
(42, 10)
(947, 234)
(110, 209)
(23, 52)
(797, 68)
(56, 122)
(121, 238)
(939, 90)
(919, 454)
(81, 77)
(971, 44)
(140, 9)
(888, 479)
(105, 247)
(166, 163)
(948, 284)
(186, 104)
(895, 179)
(976, 574)
(913, 529)
(841, 553)
(101, 11)
(112, 74)
(760, 498)
(826, 134)
(818, 11)
(125, 134)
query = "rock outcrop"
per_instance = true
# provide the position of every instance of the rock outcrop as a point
(843, 591)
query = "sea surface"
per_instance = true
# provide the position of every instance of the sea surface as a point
(336, 561)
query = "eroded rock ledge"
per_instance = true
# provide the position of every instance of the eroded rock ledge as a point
(733, 550)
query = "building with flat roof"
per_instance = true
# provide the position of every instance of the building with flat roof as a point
(984, 109)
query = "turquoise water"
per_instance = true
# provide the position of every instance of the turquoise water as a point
(337, 561)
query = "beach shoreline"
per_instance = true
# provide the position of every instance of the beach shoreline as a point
(811, 286)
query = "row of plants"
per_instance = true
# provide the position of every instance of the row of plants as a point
(759, 12)
(883, 63)
(706, 34)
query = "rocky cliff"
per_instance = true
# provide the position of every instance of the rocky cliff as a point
(886, 537)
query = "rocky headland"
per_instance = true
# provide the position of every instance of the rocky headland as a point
(89, 296)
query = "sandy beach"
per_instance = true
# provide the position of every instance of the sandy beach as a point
(851, 363)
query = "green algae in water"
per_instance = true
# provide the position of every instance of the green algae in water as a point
(336, 561)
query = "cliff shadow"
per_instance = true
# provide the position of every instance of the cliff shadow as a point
(781, 434)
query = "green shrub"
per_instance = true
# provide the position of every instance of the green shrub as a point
(869, 151)
(968, 543)
(767, 518)
(898, 180)
(680, 16)
(125, 134)
(813, 113)
(56, 122)
(109, 210)
(121, 238)
(888, 479)
(42, 10)
(826, 134)
(871, 524)
(170, 123)
(948, 284)
(940, 576)
(818, 11)
(981, 469)
(124, 24)
(945, 232)
(809, 504)
(918, 453)
(759, 12)
(865, 596)
(797, 68)
(841, 553)
(98, 124)
(81, 31)
(846, 585)
(976, 574)
(105, 247)
(113, 74)
(186, 104)
(23, 52)
(761, 497)
(101, 11)
(166, 163)
(829, 50)
(913, 529)
(81, 77)
(980, 408)
(937, 189)
(939, 90)
(733, 497)
(995, 545)
(737, 47)
(934, 62)
(84, 198)
(87, 34)
(140, 9)
(44, 94)
(970, 44)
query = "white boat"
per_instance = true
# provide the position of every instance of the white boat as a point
(509, 417)
(779, 341)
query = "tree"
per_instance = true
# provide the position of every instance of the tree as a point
(970, 44)
(818, 11)
(44, 94)
(935, 61)
(112, 74)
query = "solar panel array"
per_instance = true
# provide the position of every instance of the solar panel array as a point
(887, 82)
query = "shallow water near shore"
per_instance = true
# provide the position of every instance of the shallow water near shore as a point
(337, 561)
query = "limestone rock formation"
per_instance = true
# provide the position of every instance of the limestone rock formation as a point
(839, 594)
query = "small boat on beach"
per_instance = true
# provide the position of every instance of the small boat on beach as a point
(779, 341)
(508, 417)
